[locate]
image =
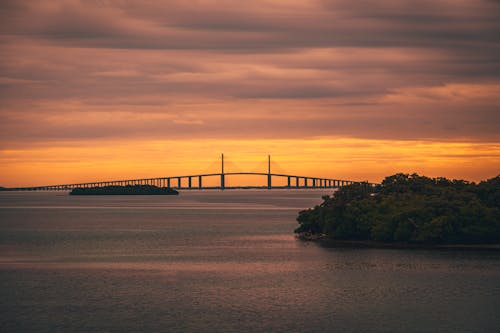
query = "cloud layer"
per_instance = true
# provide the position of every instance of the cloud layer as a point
(84, 70)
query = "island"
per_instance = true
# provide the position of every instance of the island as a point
(124, 190)
(407, 210)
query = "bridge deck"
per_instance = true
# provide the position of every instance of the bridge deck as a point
(293, 182)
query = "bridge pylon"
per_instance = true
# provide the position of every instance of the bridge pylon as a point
(269, 184)
(222, 178)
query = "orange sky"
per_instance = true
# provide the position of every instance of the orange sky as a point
(95, 90)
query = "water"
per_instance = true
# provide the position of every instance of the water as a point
(221, 262)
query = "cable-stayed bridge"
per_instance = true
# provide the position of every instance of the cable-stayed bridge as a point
(196, 182)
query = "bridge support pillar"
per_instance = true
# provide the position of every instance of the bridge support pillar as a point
(200, 184)
(178, 182)
(189, 182)
(222, 179)
(168, 182)
(305, 182)
(289, 181)
(269, 185)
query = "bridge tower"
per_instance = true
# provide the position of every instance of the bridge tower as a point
(269, 185)
(222, 180)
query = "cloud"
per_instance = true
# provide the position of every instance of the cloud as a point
(81, 70)
(253, 26)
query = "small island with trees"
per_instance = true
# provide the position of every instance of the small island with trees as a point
(407, 211)
(124, 190)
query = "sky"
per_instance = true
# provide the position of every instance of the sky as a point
(113, 89)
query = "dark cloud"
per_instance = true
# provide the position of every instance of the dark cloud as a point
(257, 25)
(385, 69)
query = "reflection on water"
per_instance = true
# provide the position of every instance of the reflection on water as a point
(221, 262)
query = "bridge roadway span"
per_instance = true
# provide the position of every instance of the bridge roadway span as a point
(195, 182)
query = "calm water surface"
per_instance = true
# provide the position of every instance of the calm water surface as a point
(221, 262)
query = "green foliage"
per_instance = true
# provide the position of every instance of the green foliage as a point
(409, 208)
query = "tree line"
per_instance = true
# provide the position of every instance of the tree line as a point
(409, 208)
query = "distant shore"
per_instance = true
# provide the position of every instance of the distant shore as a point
(125, 190)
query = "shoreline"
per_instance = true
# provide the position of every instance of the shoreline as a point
(325, 241)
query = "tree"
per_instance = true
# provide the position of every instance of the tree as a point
(409, 208)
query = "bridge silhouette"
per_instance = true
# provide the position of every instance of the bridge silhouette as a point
(195, 182)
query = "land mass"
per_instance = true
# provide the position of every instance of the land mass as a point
(125, 190)
(407, 211)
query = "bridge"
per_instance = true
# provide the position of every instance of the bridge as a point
(195, 182)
